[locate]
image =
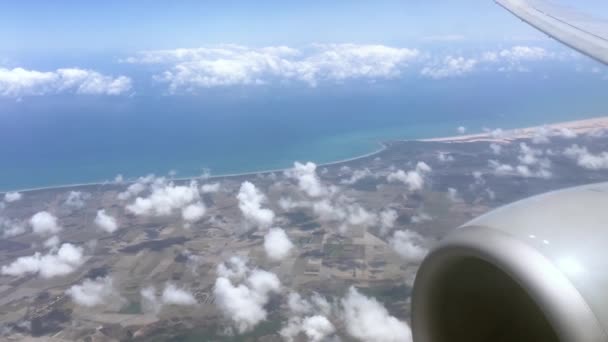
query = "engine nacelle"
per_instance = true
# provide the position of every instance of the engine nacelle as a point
(535, 270)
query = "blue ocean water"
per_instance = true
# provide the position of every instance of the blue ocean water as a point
(57, 140)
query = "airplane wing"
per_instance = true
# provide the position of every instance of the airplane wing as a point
(582, 32)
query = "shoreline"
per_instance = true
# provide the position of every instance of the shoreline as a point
(582, 126)
(577, 126)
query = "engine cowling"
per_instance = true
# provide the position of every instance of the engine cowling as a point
(534, 270)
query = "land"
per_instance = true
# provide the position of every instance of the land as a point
(154, 250)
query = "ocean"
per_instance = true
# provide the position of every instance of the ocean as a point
(57, 140)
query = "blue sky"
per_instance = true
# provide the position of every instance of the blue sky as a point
(113, 25)
(124, 47)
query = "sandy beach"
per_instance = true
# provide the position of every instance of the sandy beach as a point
(584, 126)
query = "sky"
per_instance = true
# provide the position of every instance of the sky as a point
(181, 47)
(77, 26)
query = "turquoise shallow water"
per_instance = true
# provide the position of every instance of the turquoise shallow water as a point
(48, 141)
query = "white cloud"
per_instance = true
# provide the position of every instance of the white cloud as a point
(44, 223)
(194, 212)
(541, 135)
(586, 159)
(307, 178)
(11, 228)
(368, 320)
(357, 175)
(149, 301)
(76, 199)
(566, 133)
(316, 328)
(541, 170)
(12, 197)
(277, 244)
(444, 157)
(94, 292)
(171, 295)
(243, 302)
(62, 262)
(387, 218)
(461, 130)
(176, 296)
(210, 188)
(52, 242)
(450, 67)
(453, 195)
(137, 187)
(420, 217)
(230, 65)
(413, 179)
(20, 82)
(164, 199)
(496, 149)
(308, 317)
(250, 203)
(409, 245)
(106, 222)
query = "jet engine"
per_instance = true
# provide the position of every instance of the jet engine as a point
(535, 270)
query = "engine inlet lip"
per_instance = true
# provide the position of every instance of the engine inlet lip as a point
(563, 306)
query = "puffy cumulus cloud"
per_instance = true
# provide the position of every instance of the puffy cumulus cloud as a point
(10, 197)
(461, 130)
(164, 199)
(210, 188)
(44, 223)
(541, 135)
(496, 149)
(250, 203)
(356, 176)
(567, 133)
(539, 171)
(242, 299)
(20, 82)
(277, 244)
(453, 195)
(368, 320)
(450, 67)
(139, 186)
(94, 292)
(171, 295)
(409, 245)
(288, 203)
(387, 218)
(420, 217)
(10, 228)
(194, 212)
(307, 178)
(230, 65)
(106, 222)
(52, 242)
(513, 59)
(57, 263)
(315, 328)
(308, 317)
(76, 199)
(345, 214)
(586, 159)
(413, 179)
(444, 157)
(174, 295)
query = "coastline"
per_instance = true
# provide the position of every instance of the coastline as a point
(582, 126)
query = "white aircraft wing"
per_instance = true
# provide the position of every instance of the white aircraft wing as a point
(580, 31)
